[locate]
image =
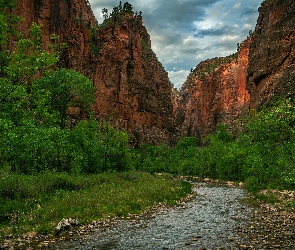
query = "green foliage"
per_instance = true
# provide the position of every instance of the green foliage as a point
(117, 11)
(262, 156)
(87, 148)
(38, 203)
(43, 123)
(95, 44)
(66, 89)
(217, 63)
(21, 65)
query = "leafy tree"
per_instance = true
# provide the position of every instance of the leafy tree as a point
(35, 135)
(19, 66)
(115, 12)
(127, 7)
(66, 89)
(105, 13)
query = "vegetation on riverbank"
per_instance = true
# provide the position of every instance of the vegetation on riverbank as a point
(58, 161)
(262, 155)
(37, 203)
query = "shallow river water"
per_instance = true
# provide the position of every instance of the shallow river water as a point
(210, 221)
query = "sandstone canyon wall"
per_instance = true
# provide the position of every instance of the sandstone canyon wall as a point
(131, 83)
(132, 87)
(271, 70)
(264, 71)
(215, 92)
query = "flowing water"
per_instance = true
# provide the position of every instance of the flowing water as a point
(211, 220)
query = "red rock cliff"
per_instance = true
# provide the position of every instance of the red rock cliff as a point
(132, 87)
(272, 53)
(131, 84)
(215, 92)
(219, 92)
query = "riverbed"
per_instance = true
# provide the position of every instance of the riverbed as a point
(212, 220)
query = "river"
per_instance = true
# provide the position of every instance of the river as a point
(212, 220)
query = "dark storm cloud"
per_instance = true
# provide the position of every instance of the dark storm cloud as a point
(179, 14)
(226, 30)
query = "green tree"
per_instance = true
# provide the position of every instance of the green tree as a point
(66, 89)
(20, 66)
(105, 13)
(120, 6)
(127, 7)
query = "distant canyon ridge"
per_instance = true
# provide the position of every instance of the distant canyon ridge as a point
(132, 87)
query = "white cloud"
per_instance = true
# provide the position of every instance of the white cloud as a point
(177, 77)
(237, 6)
(247, 27)
(229, 38)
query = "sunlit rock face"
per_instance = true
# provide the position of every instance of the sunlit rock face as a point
(132, 87)
(215, 92)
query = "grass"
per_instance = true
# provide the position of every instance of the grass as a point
(38, 203)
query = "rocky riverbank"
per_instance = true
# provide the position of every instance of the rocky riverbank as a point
(220, 216)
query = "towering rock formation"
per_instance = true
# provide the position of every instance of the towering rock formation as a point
(131, 83)
(218, 92)
(272, 53)
(215, 92)
(133, 88)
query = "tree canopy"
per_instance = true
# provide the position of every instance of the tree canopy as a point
(66, 89)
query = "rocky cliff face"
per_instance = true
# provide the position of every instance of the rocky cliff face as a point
(272, 53)
(132, 87)
(131, 84)
(218, 92)
(215, 92)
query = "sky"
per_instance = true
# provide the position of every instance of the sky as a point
(185, 32)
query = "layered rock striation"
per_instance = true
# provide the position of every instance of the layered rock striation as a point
(271, 71)
(132, 87)
(214, 93)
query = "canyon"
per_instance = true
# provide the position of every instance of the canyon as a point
(133, 90)
(214, 93)
(222, 90)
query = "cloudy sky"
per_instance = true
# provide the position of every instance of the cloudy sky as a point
(186, 32)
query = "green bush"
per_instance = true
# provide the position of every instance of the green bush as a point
(263, 155)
